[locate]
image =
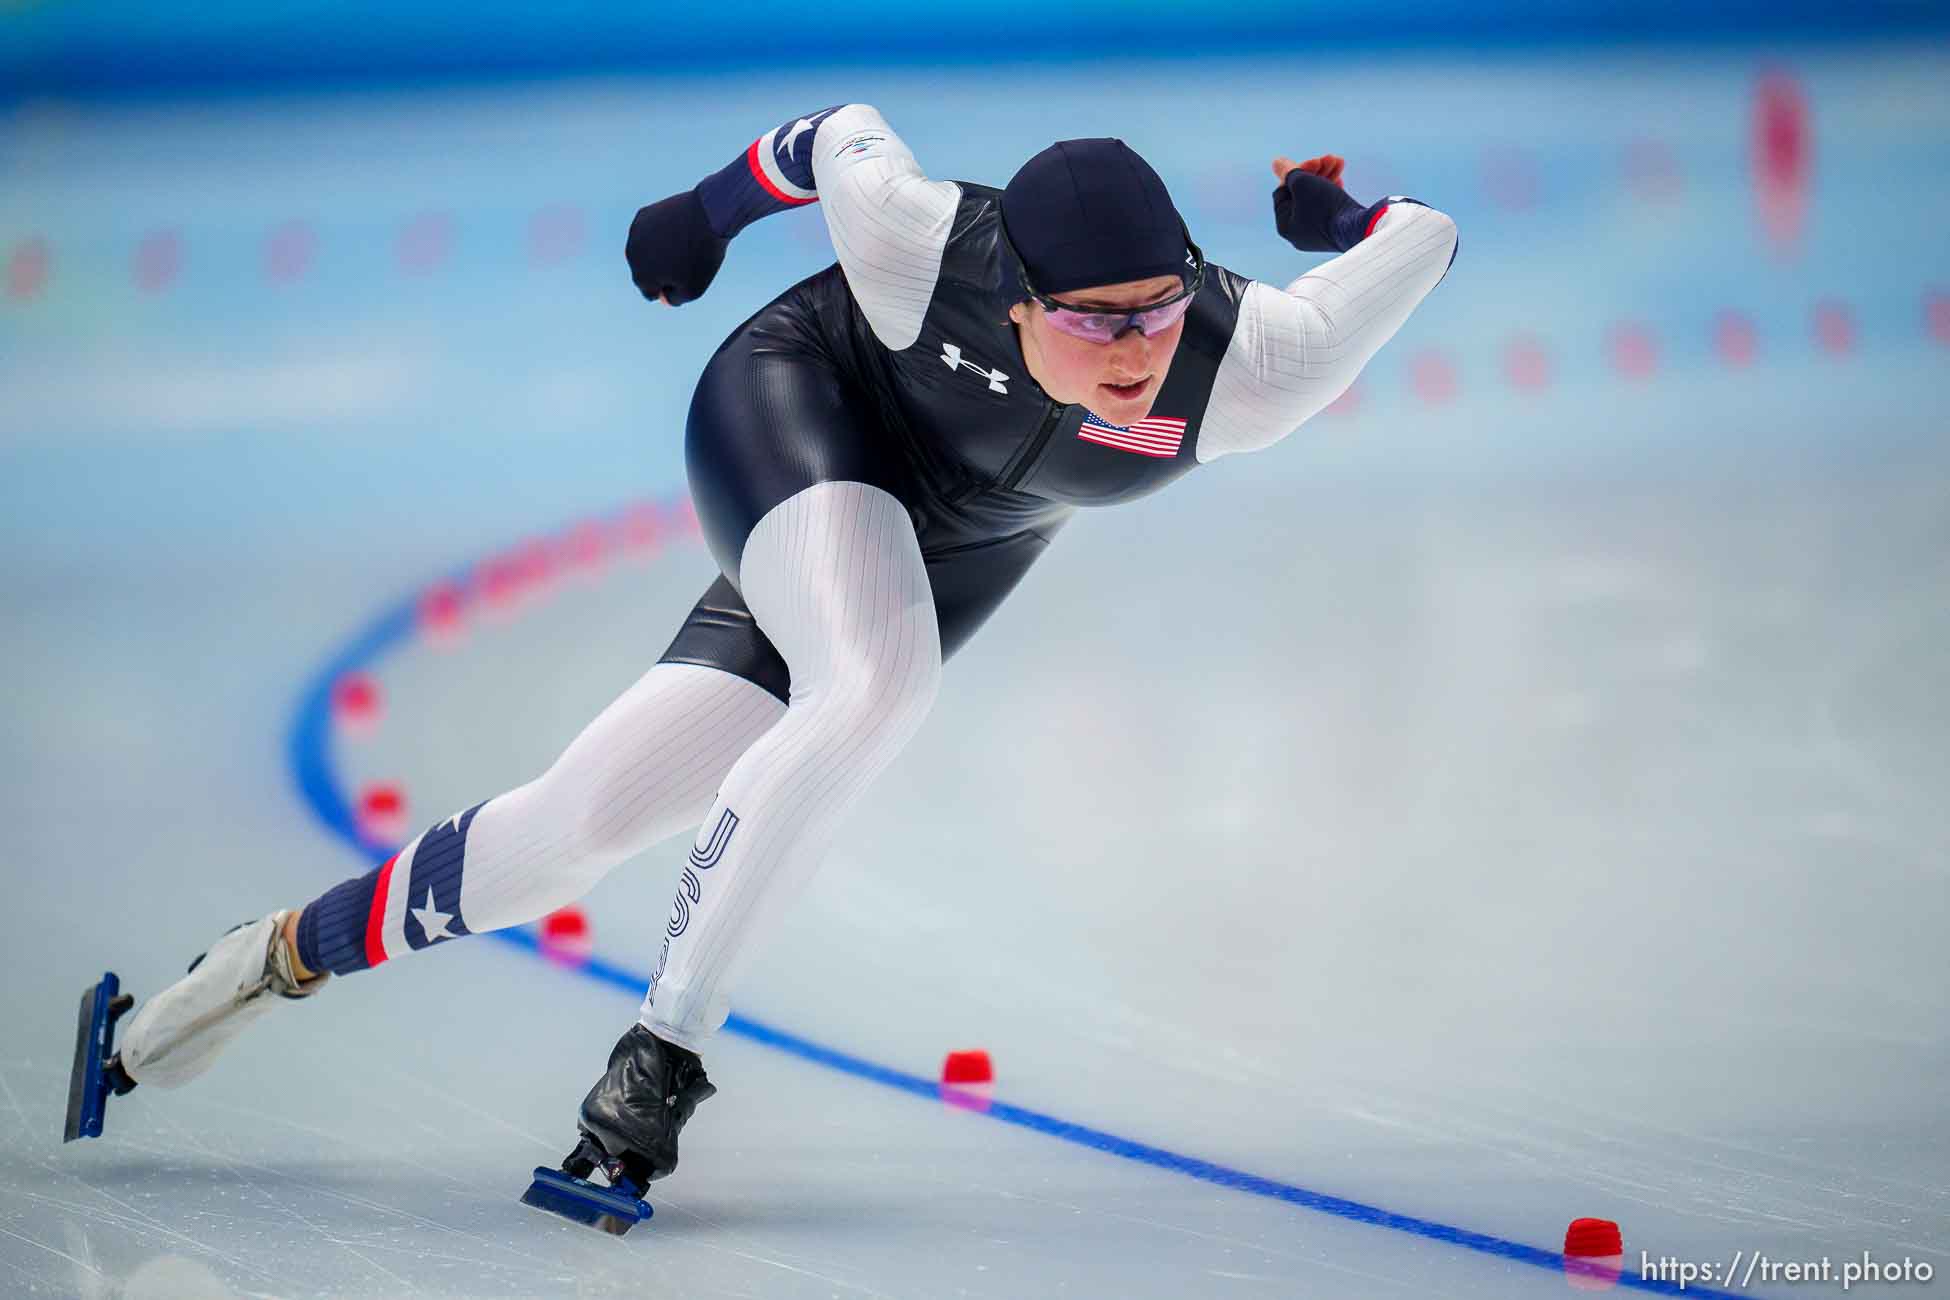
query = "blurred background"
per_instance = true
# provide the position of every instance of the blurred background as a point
(1517, 795)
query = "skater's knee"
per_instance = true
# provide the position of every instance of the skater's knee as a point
(880, 692)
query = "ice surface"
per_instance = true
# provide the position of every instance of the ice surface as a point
(1498, 812)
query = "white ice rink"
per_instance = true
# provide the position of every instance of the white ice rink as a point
(1488, 808)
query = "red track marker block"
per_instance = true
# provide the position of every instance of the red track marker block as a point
(968, 1080)
(535, 561)
(382, 812)
(967, 1067)
(356, 704)
(498, 581)
(441, 606)
(1594, 1254)
(565, 936)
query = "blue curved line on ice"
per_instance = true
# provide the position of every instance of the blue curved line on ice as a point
(311, 765)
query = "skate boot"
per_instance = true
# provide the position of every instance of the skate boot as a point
(176, 1035)
(629, 1121)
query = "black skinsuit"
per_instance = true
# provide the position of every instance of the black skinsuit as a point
(988, 466)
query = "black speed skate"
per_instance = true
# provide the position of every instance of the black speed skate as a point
(630, 1121)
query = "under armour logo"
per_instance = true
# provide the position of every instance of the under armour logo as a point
(951, 356)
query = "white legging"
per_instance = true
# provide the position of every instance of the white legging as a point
(833, 575)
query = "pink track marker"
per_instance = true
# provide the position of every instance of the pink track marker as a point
(1526, 364)
(356, 704)
(1734, 339)
(288, 252)
(1433, 377)
(27, 269)
(158, 261)
(1634, 351)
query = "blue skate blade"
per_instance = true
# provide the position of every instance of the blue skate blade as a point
(609, 1209)
(88, 1084)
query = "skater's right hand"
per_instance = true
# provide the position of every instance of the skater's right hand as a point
(673, 252)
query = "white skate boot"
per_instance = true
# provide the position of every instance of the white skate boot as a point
(176, 1035)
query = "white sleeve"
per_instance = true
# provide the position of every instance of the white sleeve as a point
(889, 222)
(1295, 351)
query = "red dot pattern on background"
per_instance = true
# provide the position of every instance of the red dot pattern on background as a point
(1651, 171)
(158, 261)
(425, 242)
(1526, 365)
(1781, 152)
(1433, 377)
(1510, 179)
(1734, 339)
(1781, 158)
(556, 234)
(642, 528)
(1834, 327)
(1348, 402)
(288, 252)
(27, 269)
(1633, 349)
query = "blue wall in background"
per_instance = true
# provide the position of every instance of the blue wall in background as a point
(110, 47)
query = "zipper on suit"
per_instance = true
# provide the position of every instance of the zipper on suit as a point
(1030, 452)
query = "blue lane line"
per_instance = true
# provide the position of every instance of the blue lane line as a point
(311, 765)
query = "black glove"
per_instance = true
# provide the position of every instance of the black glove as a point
(1316, 215)
(672, 249)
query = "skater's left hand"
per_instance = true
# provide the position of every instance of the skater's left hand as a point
(1312, 210)
(1328, 165)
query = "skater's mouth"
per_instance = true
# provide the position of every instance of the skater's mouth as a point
(1125, 392)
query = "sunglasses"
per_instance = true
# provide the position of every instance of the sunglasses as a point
(1107, 324)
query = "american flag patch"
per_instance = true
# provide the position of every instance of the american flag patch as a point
(1152, 436)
